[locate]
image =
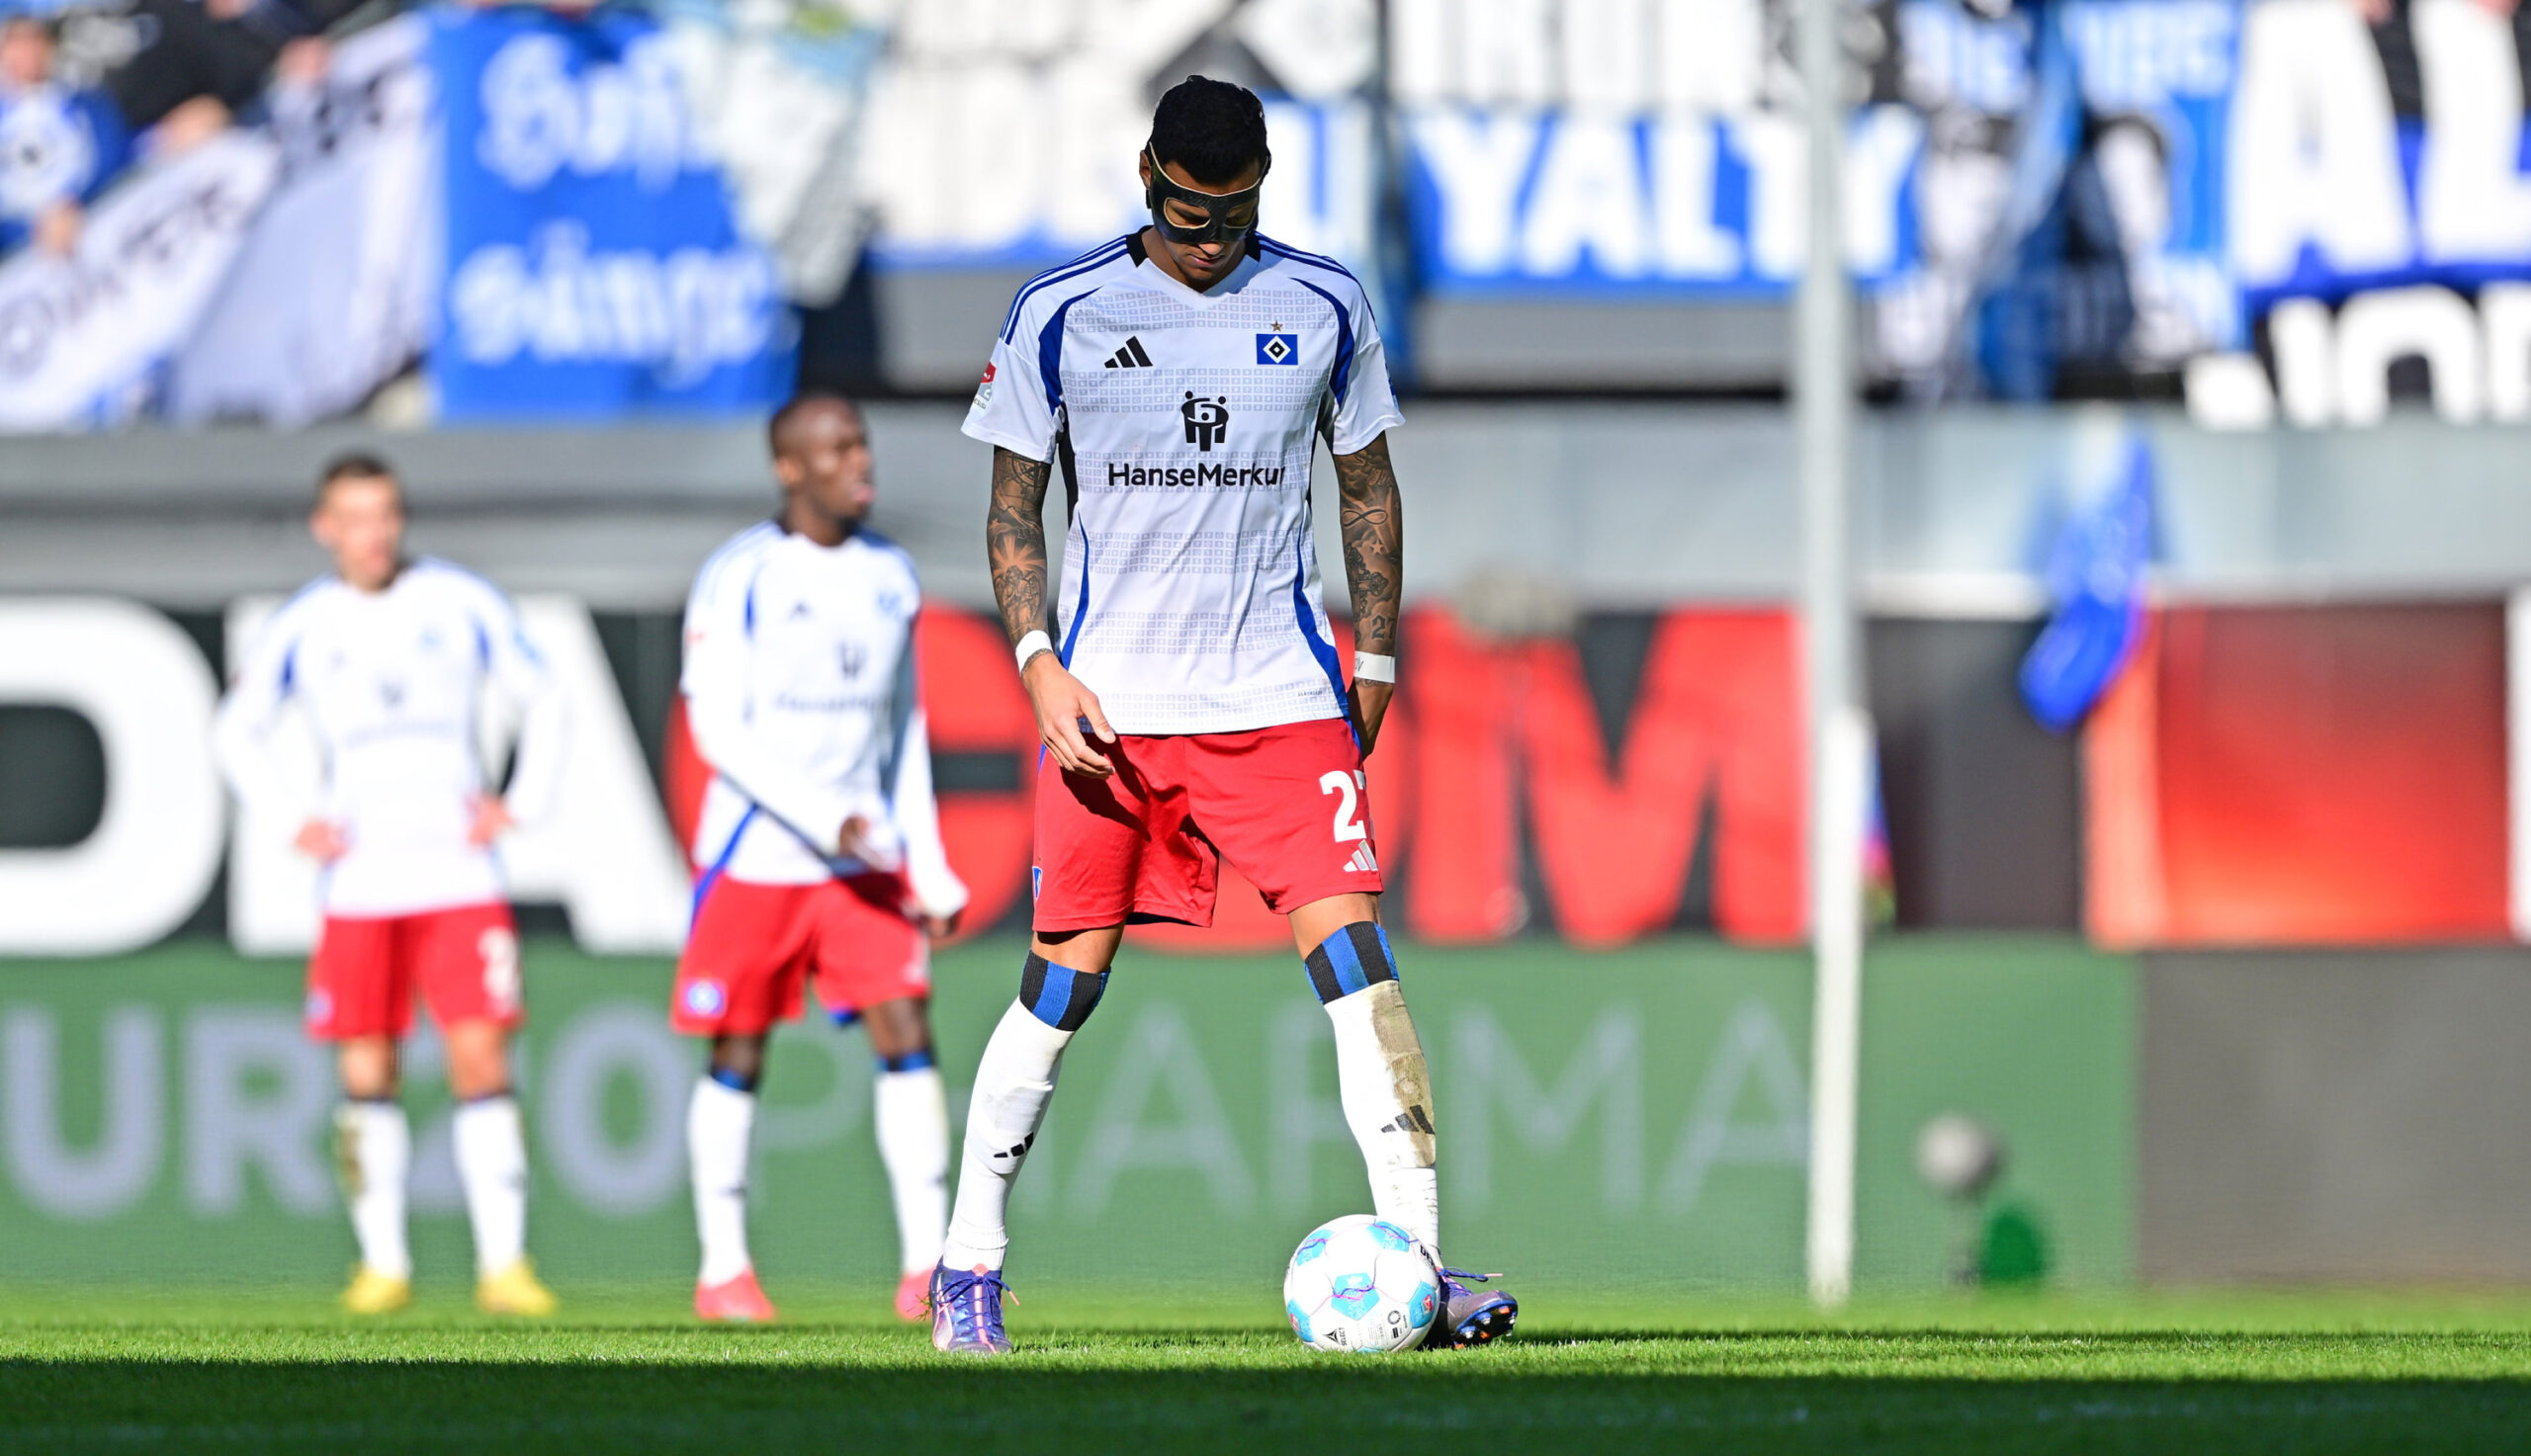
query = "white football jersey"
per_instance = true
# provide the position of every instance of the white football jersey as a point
(800, 689)
(1183, 422)
(395, 684)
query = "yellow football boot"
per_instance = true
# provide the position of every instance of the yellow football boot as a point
(373, 1293)
(514, 1290)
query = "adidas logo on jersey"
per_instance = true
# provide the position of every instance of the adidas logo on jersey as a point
(1129, 357)
(1361, 862)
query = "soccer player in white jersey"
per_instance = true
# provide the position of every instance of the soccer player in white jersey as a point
(819, 842)
(1192, 705)
(392, 659)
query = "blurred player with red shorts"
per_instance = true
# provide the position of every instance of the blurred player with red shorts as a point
(819, 842)
(393, 660)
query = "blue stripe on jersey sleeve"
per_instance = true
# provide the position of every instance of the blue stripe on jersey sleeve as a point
(1286, 250)
(1050, 351)
(901, 697)
(1099, 256)
(1317, 646)
(1341, 379)
(703, 883)
(1080, 608)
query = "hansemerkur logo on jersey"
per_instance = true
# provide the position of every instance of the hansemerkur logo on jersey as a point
(1207, 420)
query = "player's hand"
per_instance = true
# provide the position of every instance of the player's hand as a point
(57, 228)
(852, 841)
(491, 820)
(322, 840)
(941, 927)
(1370, 706)
(1064, 708)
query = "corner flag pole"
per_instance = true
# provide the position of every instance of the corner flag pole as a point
(1823, 406)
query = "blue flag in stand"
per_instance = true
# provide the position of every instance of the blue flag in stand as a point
(2097, 576)
(595, 268)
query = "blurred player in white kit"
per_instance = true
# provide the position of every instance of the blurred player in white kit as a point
(818, 843)
(392, 660)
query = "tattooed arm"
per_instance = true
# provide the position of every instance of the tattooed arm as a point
(1015, 547)
(1016, 542)
(1372, 523)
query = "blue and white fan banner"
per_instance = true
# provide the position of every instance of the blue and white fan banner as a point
(595, 266)
(83, 336)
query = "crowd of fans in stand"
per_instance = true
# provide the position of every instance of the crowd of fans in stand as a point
(88, 87)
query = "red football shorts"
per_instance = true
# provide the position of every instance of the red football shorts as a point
(1285, 803)
(463, 961)
(754, 947)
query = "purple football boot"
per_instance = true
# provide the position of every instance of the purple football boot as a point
(965, 1311)
(1470, 1317)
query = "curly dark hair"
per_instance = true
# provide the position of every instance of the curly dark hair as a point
(1212, 128)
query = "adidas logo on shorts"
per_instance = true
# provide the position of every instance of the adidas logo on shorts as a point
(1362, 863)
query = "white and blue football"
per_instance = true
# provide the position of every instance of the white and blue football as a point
(1357, 1285)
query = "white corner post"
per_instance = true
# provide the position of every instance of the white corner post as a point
(1823, 393)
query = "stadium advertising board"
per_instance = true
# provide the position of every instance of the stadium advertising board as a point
(156, 848)
(1599, 787)
(1498, 799)
(595, 267)
(169, 1123)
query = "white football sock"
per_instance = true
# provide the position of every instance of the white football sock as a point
(911, 1113)
(492, 1161)
(719, 1124)
(1015, 1081)
(376, 1147)
(1388, 1104)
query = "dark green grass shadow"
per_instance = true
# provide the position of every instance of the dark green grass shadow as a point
(790, 1389)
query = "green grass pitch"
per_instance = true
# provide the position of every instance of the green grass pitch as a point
(86, 1371)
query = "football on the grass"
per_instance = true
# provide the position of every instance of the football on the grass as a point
(1357, 1285)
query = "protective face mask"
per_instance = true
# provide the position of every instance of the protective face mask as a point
(1228, 217)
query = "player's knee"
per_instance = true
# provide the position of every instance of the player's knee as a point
(738, 1062)
(1355, 959)
(898, 1030)
(479, 1065)
(366, 1067)
(1059, 995)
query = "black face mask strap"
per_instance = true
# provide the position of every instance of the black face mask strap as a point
(1215, 206)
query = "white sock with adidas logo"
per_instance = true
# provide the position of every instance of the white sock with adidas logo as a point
(1015, 1080)
(1380, 1077)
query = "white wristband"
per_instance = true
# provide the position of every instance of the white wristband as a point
(1373, 667)
(1031, 644)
